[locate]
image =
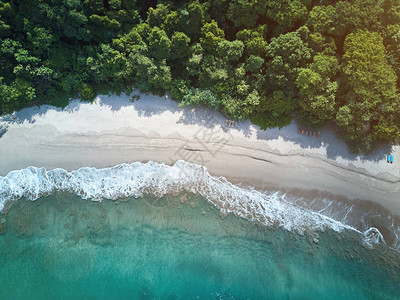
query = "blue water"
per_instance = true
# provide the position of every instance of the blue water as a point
(178, 247)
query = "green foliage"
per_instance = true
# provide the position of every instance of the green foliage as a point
(159, 44)
(253, 40)
(366, 66)
(86, 91)
(336, 61)
(391, 35)
(180, 45)
(321, 19)
(242, 13)
(254, 64)
(266, 120)
(202, 97)
(317, 91)
(286, 12)
(371, 97)
(109, 64)
(150, 75)
(104, 21)
(273, 111)
(358, 14)
(16, 95)
(287, 53)
(178, 89)
(277, 104)
(193, 65)
(194, 19)
(157, 16)
(241, 107)
(231, 51)
(211, 36)
(130, 42)
(213, 70)
(40, 39)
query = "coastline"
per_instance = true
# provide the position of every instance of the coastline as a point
(113, 130)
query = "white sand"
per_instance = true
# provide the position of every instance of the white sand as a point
(113, 130)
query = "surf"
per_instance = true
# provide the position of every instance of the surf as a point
(138, 179)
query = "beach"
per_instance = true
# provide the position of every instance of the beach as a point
(199, 209)
(113, 130)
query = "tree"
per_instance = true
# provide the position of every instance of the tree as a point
(391, 13)
(180, 45)
(250, 58)
(286, 12)
(172, 23)
(194, 63)
(211, 36)
(358, 14)
(159, 44)
(370, 84)
(253, 40)
(242, 14)
(391, 35)
(321, 19)
(193, 19)
(157, 16)
(130, 42)
(40, 39)
(254, 64)
(273, 111)
(277, 104)
(287, 53)
(212, 71)
(16, 95)
(86, 91)
(178, 89)
(202, 97)
(230, 51)
(317, 91)
(108, 65)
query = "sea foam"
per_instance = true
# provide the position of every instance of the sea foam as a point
(137, 179)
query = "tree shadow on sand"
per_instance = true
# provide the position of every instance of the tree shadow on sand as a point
(149, 105)
(334, 146)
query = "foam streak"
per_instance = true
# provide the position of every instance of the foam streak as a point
(137, 179)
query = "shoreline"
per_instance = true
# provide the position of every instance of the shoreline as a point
(114, 130)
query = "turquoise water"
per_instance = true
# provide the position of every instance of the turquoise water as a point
(178, 247)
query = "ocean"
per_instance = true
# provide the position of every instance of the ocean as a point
(151, 231)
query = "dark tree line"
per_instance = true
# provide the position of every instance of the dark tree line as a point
(327, 61)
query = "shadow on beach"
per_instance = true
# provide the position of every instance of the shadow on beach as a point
(149, 105)
(334, 146)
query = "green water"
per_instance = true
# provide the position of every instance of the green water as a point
(62, 247)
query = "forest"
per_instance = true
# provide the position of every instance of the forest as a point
(327, 61)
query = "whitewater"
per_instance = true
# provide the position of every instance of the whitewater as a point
(138, 179)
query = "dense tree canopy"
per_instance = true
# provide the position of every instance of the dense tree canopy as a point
(325, 61)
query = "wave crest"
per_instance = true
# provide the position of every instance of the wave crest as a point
(137, 179)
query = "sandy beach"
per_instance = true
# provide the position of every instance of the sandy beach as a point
(113, 130)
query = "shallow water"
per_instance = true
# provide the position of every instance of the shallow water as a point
(178, 247)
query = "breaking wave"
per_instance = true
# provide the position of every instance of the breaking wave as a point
(137, 179)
